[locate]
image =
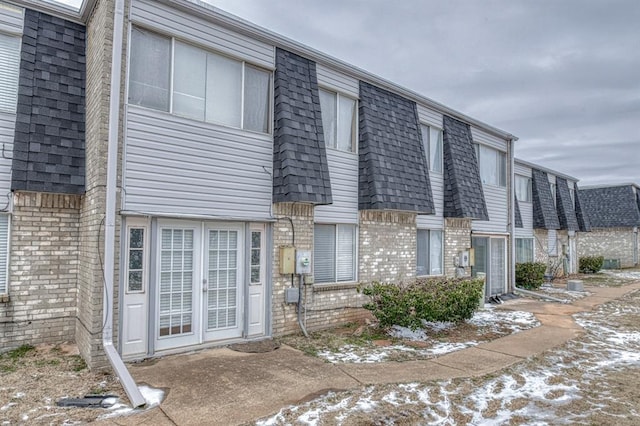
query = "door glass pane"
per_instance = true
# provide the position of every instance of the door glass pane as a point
(135, 265)
(149, 66)
(224, 90)
(346, 124)
(435, 252)
(329, 111)
(324, 253)
(422, 255)
(256, 99)
(498, 264)
(176, 282)
(189, 76)
(223, 279)
(256, 244)
(480, 247)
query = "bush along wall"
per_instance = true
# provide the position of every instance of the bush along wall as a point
(424, 299)
(530, 275)
(591, 264)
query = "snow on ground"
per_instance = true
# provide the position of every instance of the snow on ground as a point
(568, 385)
(629, 274)
(488, 319)
(563, 293)
(153, 397)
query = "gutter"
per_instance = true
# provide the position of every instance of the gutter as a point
(116, 362)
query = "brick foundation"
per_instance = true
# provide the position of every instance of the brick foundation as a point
(612, 243)
(457, 238)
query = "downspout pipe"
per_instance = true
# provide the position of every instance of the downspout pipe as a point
(116, 362)
(512, 215)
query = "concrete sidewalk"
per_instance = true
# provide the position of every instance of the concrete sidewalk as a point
(220, 386)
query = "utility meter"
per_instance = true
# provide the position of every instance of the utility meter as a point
(303, 262)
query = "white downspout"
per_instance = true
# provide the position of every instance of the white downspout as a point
(127, 381)
(512, 215)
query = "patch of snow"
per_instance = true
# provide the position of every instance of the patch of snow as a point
(151, 395)
(634, 275)
(438, 326)
(407, 334)
(19, 395)
(7, 406)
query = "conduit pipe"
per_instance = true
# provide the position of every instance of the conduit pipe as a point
(123, 374)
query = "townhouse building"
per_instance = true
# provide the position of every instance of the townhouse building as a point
(163, 209)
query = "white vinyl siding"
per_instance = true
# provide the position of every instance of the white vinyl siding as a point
(11, 19)
(496, 201)
(434, 220)
(7, 131)
(523, 189)
(9, 71)
(339, 119)
(337, 82)
(201, 31)
(4, 253)
(343, 170)
(430, 117)
(484, 138)
(178, 166)
(429, 252)
(432, 141)
(205, 85)
(524, 250)
(334, 253)
(526, 208)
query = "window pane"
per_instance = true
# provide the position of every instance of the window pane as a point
(523, 188)
(9, 70)
(488, 165)
(135, 259)
(435, 146)
(524, 250)
(224, 90)
(422, 252)
(256, 99)
(190, 71)
(346, 253)
(502, 169)
(324, 253)
(346, 125)
(135, 281)
(329, 112)
(136, 238)
(435, 252)
(425, 143)
(149, 66)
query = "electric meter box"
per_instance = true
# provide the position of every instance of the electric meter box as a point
(303, 262)
(287, 260)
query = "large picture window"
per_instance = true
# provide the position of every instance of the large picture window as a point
(523, 189)
(432, 140)
(9, 71)
(493, 166)
(334, 253)
(524, 250)
(169, 75)
(429, 252)
(338, 120)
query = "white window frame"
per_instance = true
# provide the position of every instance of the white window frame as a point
(533, 253)
(261, 265)
(244, 64)
(145, 256)
(10, 75)
(354, 252)
(354, 124)
(4, 283)
(501, 158)
(528, 197)
(427, 133)
(429, 266)
(554, 189)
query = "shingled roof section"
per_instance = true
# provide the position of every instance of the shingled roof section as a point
(517, 213)
(564, 204)
(48, 152)
(300, 168)
(611, 207)
(544, 210)
(463, 193)
(581, 215)
(393, 166)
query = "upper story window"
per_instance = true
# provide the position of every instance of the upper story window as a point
(553, 192)
(338, 120)
(169, 75)
(572, 194)
(9, 71)
(493, 166)
(432, 140)
(523, 189)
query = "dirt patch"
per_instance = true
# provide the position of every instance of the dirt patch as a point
(32, 379)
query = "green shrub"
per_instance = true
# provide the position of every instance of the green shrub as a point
(591, 264)
(428, 299)
(530, 275)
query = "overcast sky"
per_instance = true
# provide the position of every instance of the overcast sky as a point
(562, 75)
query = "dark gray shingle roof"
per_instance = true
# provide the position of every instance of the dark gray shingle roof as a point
(300, 169)
(544, 210)
(463, 193)
(48, 153)
(517, 213)
(393, 166)
(581, 215)
(610, 207)
(564, 203)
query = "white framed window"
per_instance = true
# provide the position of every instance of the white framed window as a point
(432, 141)
(9, 71)
(572, 194)
(523, 189)
(169, 75)
(334, 253)
(553, 192)
(524, 250)
(429, 252)
(338, 120)
(4, 253)
(493, 166)
(136, 269)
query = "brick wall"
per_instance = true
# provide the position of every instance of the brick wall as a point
(612, 243)
(457, 238)
(43, 270)
(387, 249)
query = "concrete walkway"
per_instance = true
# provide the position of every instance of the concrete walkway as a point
(220, 386)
